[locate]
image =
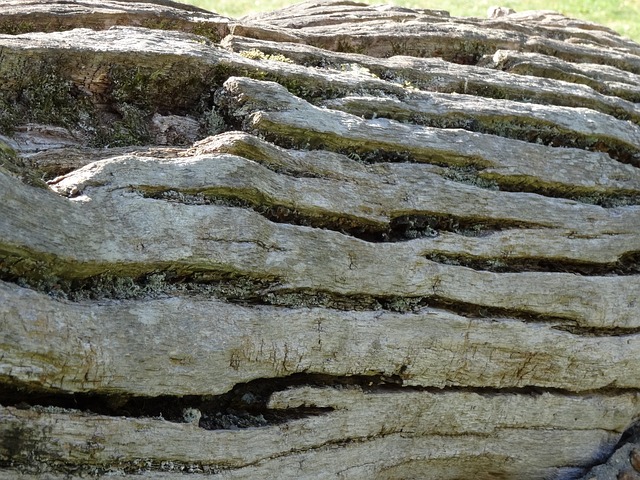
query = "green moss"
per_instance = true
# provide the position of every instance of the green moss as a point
(138, 93)
(399, 48)
(160, 23)
(345, 46)
(203, 29)
(17, 28)
(131, 129)
(9, 116)
(41, 95)
(131, 85)
(213, 123)
(11, 162)
(207, 30)
(42, 92)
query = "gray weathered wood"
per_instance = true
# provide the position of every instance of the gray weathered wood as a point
(82, 348)
(434, 74)
(281, 254)
(602, 78)
(251, 245)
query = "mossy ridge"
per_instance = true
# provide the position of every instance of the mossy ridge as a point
(529, 184)
(432, 83)
(212, 29)
(370, 151)
(305, 87)
(530, 130)
(275, 212)
(398, 229)
(469, 170)
(556, 73)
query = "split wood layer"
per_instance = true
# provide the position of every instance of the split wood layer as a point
(331, 241)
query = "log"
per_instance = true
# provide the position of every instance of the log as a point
(330, 241)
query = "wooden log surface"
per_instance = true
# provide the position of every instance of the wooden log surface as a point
(330, 241)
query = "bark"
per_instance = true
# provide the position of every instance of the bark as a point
(331, 241)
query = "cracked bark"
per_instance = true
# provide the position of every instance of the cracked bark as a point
(389, 254)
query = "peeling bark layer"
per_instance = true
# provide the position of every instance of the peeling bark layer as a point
(331, 241)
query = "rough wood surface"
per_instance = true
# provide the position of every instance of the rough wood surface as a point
(331, 241)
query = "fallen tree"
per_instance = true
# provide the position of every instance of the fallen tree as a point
(331, 241)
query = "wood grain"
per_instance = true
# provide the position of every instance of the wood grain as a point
(330, 241)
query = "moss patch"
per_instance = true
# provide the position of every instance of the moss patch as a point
(41, 95)
(12, 27)
(11, 162)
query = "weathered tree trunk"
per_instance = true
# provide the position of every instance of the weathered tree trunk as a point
(332, 241)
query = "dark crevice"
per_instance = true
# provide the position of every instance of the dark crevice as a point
(578, 193)
(598, 332)
(630, 435)
(400, 228)
(156, 283)
(467, 170)
(250, 291)
(246, 404)
(403, 304)
(532, 131)
(628, 264)
(243, 407)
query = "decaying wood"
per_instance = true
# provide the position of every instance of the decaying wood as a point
(331, 241)
(19, 16)
(604, 79)
(249, 343)
(436, 75)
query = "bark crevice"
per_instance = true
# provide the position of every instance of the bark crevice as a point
(336, 239)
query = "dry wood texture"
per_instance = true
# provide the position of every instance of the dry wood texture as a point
(331, 241)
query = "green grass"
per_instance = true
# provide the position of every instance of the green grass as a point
(623, 16)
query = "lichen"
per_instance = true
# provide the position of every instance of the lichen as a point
(470, 176)
(213, 122)
(255, 54)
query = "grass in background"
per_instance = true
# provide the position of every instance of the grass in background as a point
(623, 16)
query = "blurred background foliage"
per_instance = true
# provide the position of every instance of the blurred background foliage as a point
(623, 16)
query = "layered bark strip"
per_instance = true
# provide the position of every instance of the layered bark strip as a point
(331, 241)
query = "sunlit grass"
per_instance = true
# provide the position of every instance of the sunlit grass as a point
(623, 16)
